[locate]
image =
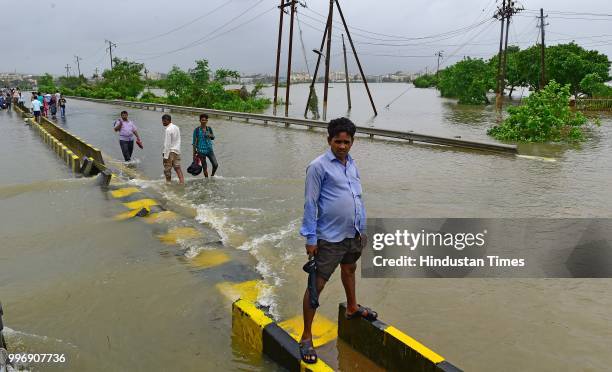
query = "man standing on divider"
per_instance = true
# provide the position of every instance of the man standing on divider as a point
(334, 224)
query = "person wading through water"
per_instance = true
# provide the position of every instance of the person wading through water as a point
(203, 137)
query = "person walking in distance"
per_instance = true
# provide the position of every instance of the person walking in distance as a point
(127, 130)
(62, 105)
(171, 151)
(203, 145)
(333, 225)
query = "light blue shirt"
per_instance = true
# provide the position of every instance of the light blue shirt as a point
(333, 207)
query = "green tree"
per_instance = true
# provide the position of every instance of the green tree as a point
(528, 66)
(179, 86)
(570, 63)
(223, 74)
(425, 81)
(46, 83)
(468, 80)
(544, 116)
(124, 78)
(72, 82)
(593, 85)
(514, 77)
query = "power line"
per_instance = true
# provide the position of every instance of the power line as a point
(210, 36)
(224, 4)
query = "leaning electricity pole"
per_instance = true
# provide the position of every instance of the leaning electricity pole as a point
(543, 51)
(327, 34)
(78, 59)
(67, 70)
(111, 45)
(290, 54)
(346, 74)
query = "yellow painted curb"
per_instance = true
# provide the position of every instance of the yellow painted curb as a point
(323, 329)
(177, 233)
(414, 344)
(208, 259)
(142, 203)
(122, 193)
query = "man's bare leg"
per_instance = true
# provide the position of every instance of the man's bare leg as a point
(347, 273)
(309, 312)
(179, 173)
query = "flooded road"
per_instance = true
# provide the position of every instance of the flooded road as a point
(72, 274)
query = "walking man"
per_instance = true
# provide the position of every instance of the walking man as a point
(333, 224)
(203, 145)
(35, 106)
(62, 105)
(171, 151)
(127, 130)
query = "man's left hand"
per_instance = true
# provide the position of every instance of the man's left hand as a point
(364, 240)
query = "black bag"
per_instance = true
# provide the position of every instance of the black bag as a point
(195, 168)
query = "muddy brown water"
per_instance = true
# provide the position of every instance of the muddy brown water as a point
(112, 297)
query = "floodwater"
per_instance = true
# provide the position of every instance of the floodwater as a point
(111, 296)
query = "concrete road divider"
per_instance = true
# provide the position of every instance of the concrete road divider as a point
(389, 347)
(253, 327)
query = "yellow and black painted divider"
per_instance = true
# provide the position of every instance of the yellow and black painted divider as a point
(389, 347)
(63, 143)
(234, 280)
(253, 326)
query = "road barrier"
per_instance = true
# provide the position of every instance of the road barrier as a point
(409, 136)
(389, 347)
(78, 155)
(253, 327)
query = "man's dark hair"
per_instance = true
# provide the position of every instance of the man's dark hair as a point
(340, 125)
(123, 112)
(167, 117)
(203, 116)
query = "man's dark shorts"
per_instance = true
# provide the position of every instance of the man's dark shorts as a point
(330, 255)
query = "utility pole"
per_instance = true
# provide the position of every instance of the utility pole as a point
(147, 78)
(292, 2)
(346, 74)
(543, 51)
(67, 70)
(78, 59)
(278, 54)
(439, 55)
(501, 13)
(350, 39)
(96, 74)
(328, 57)
(111, 45)
(316, 71)
(509, 11)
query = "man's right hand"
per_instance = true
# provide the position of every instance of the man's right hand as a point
(311, 250)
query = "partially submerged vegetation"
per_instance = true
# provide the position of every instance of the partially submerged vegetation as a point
(470, 80)
(544, 116)
(197, 87)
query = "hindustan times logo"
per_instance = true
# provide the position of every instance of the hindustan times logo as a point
(411, 240)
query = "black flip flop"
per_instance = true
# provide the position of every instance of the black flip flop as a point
(371, 315)
(307, 352)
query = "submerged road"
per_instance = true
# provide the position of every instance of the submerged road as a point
(256, 206)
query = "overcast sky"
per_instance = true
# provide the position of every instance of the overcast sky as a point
(242, 34)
